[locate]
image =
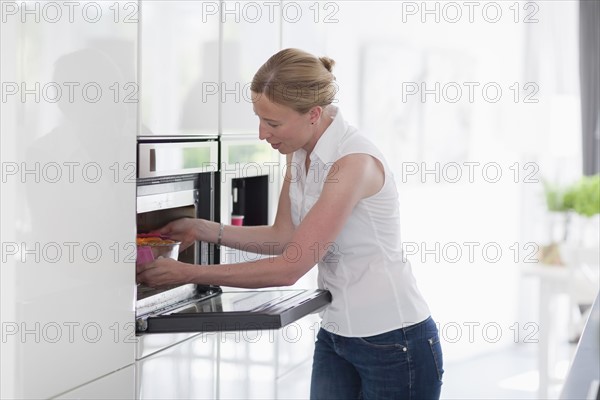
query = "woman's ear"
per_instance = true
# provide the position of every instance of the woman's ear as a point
(315, 114)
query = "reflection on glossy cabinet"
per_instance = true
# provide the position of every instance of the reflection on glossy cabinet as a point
(150, 344)
(252, 363)
(296, 343)
(179, 67)
(231, 365)
(67, 314)
(118, 385)
(245, 156)
(185, 371)
(296, 383)
(247, 364)
(251, 32)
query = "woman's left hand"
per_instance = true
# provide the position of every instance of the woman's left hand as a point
(164, 272)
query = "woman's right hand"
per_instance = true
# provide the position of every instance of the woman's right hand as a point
(184, 230)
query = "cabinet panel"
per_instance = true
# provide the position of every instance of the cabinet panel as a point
(245, 156)
(296, 383)
(179, 67)
(251, 32)
(296, 344)
(73, 281)
(150, 344)
(9, 198)
(247, 364)
(187, 370)
(118, 385)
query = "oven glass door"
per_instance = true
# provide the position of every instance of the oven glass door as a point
(177, 158)
(235, 311)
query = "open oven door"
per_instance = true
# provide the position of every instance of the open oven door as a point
(176, 179)
(209, 309)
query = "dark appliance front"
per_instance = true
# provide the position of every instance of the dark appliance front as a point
(177, 178)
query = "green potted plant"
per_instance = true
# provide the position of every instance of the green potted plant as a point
(586, 209)
(574, 209)
(586, 196)
(560, 201)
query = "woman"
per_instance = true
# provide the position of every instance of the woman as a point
(339, 208)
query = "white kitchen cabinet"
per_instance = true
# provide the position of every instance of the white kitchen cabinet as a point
(266, 364)
(295, 384)
(70, 245)
(187, 370)
(9, 198)
(251, 34)
(150, 344)
(244, 156)
(247, 364)
(117, 386)
(296, 344)
(179, 60)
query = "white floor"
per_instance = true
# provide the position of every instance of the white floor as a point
(509, 374)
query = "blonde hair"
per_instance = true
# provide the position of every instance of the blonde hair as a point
(296, 79)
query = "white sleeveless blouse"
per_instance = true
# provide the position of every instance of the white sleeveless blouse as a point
(372, 285)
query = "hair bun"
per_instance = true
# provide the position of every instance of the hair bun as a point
(328, 63)
(295, 68)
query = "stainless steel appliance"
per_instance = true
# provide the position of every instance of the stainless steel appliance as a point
(179, 177)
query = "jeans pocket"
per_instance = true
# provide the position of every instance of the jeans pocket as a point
(387, 340)
(438, 358)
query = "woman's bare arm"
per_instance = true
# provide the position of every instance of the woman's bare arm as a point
(269, 240)
(354, 177)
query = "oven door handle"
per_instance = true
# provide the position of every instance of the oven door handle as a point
(163, 201)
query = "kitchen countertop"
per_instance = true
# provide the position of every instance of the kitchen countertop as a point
(585, 368)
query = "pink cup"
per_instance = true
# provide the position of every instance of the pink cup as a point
(237, 220)
(144, 255)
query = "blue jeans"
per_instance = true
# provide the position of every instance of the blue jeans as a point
(405, 363)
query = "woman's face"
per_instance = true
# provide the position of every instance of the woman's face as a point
(284, 128)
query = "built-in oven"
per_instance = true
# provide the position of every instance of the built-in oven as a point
(179, 178)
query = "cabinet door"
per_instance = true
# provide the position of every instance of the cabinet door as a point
(247, 364)
(245, 157)
(150, 344)
(118, 385)
(296, 383)
(179, 67)
(266, 364)
(187, 370)
(251, 32)
(9, 198)
(70, 244)
(297, 344)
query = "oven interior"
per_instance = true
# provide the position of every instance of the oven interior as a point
(162, 200)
